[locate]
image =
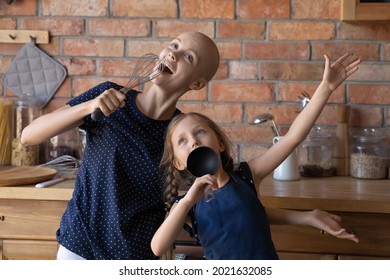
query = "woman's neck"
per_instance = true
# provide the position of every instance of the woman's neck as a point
(157, 104)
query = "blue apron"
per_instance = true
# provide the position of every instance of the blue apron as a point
(234, 225)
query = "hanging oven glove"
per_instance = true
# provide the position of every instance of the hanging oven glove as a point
(34, 75)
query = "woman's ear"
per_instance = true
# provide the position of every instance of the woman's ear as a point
(198, 84)
(178, 165)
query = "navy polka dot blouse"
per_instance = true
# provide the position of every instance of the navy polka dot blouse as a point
(117, 203)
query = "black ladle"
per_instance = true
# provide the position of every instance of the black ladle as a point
(201, 161)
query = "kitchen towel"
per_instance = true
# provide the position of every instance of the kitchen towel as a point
(34, 75)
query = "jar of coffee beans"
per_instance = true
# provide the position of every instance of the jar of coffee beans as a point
(368, 154)
(315, 154)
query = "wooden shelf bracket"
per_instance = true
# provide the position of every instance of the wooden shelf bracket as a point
(24, 36)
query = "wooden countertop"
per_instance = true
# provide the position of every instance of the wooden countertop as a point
(331, 194)
(60, 191)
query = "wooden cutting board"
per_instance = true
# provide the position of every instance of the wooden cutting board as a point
(24, 175)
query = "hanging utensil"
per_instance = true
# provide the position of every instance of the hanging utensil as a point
(264, 118)
(304, 100)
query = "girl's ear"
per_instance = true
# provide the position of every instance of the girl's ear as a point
(178, 165)
(221, 147)
(198, 84)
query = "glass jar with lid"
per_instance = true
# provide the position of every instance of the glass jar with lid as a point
(66, 143)
(368, 154)
(315, 154)
(24, 113)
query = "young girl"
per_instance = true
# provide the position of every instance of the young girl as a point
(235, 225)
(117, 202)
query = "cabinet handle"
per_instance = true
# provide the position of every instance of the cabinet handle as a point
(2, 218)
(1, 250)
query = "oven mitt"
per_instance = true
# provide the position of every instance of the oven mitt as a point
(34, 75)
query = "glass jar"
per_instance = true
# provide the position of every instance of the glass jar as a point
(24, 113)
(315, 154)
(6, 135)
(66, 143)
(368, 154)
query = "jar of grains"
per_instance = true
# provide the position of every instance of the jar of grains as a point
(24, 113)
(315, 154)
(368, 155)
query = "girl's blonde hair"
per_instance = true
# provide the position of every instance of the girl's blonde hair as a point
(176, 178)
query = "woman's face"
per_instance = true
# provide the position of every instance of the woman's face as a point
(185, 60)
(190, 133)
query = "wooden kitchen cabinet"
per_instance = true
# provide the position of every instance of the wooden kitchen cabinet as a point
(363, 205)
(373, 231)
(16, 249)
(359, 10)
(29, 219)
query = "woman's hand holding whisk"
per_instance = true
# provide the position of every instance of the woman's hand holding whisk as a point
(148, 67)
(109, 101)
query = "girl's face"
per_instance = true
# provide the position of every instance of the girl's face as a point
(189, 134)
(184, 62)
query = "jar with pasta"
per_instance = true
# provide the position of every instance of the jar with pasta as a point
(25, 112)
(6, 123)
(368, 154)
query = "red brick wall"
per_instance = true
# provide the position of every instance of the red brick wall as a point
(271, 51)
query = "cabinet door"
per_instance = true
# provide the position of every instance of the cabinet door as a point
(373, 231)
(30, 219)
(188, 246)
(305, 256)
(344, 257)
(28, 250)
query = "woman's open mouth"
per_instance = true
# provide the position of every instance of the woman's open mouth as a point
(166, 69)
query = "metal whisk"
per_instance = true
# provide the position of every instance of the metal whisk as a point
(147, 68)
(66, 166)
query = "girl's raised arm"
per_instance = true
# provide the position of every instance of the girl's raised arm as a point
(334, 74)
